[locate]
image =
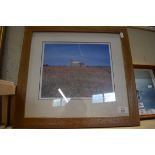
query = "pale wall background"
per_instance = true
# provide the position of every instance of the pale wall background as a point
(142, 45)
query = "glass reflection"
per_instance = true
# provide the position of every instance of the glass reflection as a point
(101, 98)
(98, 98)
(60, 102)
(63, 95)
(109, 97)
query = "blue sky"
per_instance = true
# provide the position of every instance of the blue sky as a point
(90, 54)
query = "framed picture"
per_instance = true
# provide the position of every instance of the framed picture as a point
(71, 67)
(145, 87)
(75, 77)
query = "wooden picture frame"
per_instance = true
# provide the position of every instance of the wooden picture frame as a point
(2, 35)
(150, 69)
(2, 31)
(20, 121)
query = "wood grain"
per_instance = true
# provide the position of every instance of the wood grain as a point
(0, 110)
(7, 88)
(2, 37)
(20, 121)
(5, 101)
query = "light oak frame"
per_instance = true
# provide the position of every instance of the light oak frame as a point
(21, 122)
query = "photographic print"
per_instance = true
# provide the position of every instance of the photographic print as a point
(145, 87)
(78, 69)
